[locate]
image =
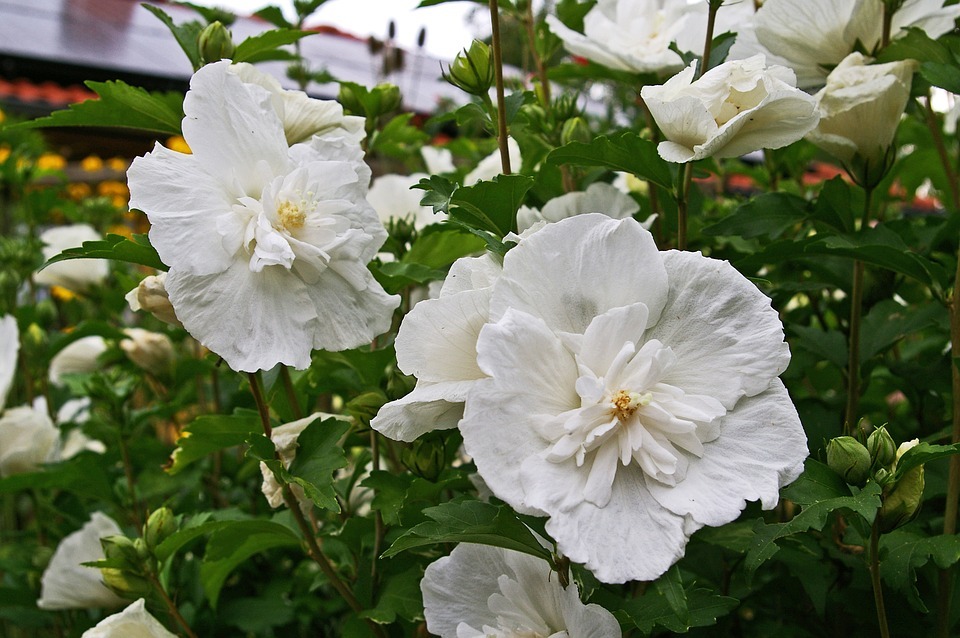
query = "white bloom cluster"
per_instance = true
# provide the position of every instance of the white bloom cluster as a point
(265, 227)
(628, 394)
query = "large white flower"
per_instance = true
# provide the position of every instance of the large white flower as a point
(28, 438)
(635, 35)
(77, 275)
(80, 356)
(267, 242)
(732, 109)
(631, 395)
(392, 198)
(133, 622)
(480, 591)
(66, 582)
(9, 348)
(437, 343)
(860, 109)
(599, 197)
(813, 36)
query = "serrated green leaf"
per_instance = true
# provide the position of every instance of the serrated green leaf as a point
(274, 16)
(185, 34)
(136, 250)
(319, 455)
(233, 544)
(439, 192)
(471, 522)
(923, 453)
(902, 553)
(210, 433)
(877, 246)
(255, 48)
(670, 586)
(122, 106)
(888, 322)
(915, 45)
(491, 205)
(441, 245)
(817, 483)
(652, 610)
(400, 597)
(769, 214)
(813, 516)
(626, 152)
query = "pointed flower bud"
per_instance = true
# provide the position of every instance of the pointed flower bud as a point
(161, 524)
(883, 451)
(902, 500)
(472, 70)
(215, 43)
(847, 457)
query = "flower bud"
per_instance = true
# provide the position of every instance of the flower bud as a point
(151, 296)
(471, 70)
(902, 500)
(161, 524)
(215, 43)
(150, 351)
(575, 130)
(847, 457)
(883, 451)
(425, 458)
(121, 552)
(124, 583)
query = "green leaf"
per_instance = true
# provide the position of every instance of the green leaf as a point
(626, 152)
(652, 610)
(274, 16)
(401, 499)
(211, 433)
(439, 192)
(398, 138)
(491, 205)
(888, 322)
(903, 552)
(769, 214)
(835, 205)
(319, 455)
(817, 483)
(231, 545)
(923, 453)
(122, 106)
(670, 586)
(440, 245)
(830, 345)
(186, 34)
(401, 274)
(136, 250)
(813, 516)
(84, 474)
(259, 47)
(400, 598)
(946, 76)
(915, 45)
(878, 246)
(471, 522)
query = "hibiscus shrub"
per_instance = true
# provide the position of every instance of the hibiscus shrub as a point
(660, 342)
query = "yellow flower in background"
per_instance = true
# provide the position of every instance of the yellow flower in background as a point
(62, 294)
(91, 164)
(177, 143)
(120, 229)
(4, 151)
(118, 163)
(51, 162)
(2, 116)
(116, 191)
(79, 190)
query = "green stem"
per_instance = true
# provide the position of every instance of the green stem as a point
(528, 22)
(683, 198)
(713, 7)
(853, 347)
(953, 481)
(290, 499)
(498, 78)
(291, 392)
(875, 580)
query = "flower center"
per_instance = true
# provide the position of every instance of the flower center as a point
(292, 216)
(626, 403)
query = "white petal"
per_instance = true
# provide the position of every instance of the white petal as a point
(727, 339)
(428, 407)
(760, 449)
(9, 347)
(595, 263)
(133, 622)
(80, 356)
(76, 274)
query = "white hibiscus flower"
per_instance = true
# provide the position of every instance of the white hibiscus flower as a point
(9, 347)
(133, 622)
(480, 591)
(267, 242)
(630, 395)
(392, 198)
(77, 275)
(599, 197)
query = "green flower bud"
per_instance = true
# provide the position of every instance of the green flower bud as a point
(125, 584)
(575, 130)
(122, 553)
(471, 70)
(901, 500)
(215, 43)
(847, 457)
(425, 458)
(882, 449)
(161, 524)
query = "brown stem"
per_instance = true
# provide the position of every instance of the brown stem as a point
(498, 78)
(378, 519)
(528, 23)
(953, 481)
(262, 406)
(948, 168)
(708, 42)
(172, 607)
(887, 25)
(853, 347)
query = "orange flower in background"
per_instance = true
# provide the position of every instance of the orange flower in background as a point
(91, 164)
(118, 164)
(177, 143)
(116, 191)
(62, 294)
(119, 229)
(4, 150)
(79, 190)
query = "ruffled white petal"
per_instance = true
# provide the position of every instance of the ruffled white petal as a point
(428, 407)
(133, 622)
(9, 348)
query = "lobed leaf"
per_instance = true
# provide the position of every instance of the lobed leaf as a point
(136, 250)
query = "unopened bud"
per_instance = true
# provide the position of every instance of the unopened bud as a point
(150, 351)
(365, 406)
(471, 70)
(882, 449)
(215, 43)
(575, 130)
(161, 524)
(425, 458)
(124, 583)
(902, 500)
(122, 553)
(151, 296)
(847, 457)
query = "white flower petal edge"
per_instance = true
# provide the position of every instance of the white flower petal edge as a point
(79, 356)
(28, 438)
(66, 582)
(9, 348)
(602, 427)
(133, 622)
(599, 197)
(479, 591)
(267, 243)
(393, 198)
(77, 275)
(490, 166)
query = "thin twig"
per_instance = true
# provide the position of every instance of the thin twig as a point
(498, 77)
(875, 580)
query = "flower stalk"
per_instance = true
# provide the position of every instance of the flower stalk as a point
(498, 79)
(171, 607)
(853, 346)
(875, 579)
